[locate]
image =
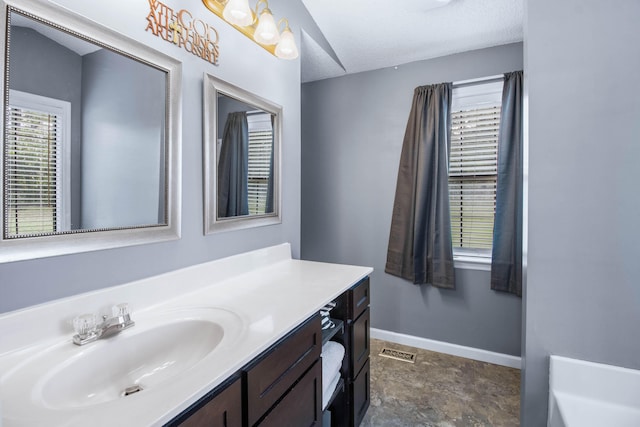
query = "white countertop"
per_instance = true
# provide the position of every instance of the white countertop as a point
(270, 292)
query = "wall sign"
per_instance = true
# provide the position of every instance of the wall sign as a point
(182, 29)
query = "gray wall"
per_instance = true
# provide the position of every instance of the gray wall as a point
(582, 297)
(43, 67)
(123, 102)
(353, 128)
(242, 63)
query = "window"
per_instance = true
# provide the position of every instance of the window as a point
(475, 121)
(36, 158)
(260, 152)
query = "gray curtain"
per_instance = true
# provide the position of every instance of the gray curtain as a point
(506, 259)
(420, 239)
(233, 167)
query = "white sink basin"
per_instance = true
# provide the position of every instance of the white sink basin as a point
(145, 359)
(153, 356)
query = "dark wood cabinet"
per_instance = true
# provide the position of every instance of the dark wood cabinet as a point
(301, 406)
(273, 375)
(220, 408)
(358, 298)
(349, 407)
(360, 391)
(360, 343)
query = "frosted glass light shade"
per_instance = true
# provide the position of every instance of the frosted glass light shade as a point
(287, 48)
(267, 31)
(238, 12)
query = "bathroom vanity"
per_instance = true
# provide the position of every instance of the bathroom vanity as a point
(234, 341)
(282, 386)
(279, 387)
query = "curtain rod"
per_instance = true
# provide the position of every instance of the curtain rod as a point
(470, 82)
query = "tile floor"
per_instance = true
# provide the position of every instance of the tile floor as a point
(440, 390)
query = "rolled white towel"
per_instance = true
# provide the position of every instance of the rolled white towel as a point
(332, 355)
(326, 395)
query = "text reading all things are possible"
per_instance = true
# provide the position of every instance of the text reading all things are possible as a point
(180, 28)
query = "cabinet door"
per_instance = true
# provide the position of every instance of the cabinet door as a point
(302, 405)
(358, 299)
(360, 392)
(274, 374)
(224, 410)
(360, 346)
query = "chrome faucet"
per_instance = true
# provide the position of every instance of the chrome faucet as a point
(88, 331)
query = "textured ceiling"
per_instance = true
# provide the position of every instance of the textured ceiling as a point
(372, 34)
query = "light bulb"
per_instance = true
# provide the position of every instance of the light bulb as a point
(238, 12)
(267, 31)
(287, 48)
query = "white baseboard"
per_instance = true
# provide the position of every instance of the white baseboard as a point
(448, 348)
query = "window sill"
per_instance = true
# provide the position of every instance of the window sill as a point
(466, 262)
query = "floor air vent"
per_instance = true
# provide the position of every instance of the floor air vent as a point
(398, 355)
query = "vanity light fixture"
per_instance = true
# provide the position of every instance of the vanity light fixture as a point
(238, 12)
(258, 24)
(286, 48)
(266, 31)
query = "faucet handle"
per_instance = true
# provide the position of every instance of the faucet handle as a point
(85, 325)
(121, 310)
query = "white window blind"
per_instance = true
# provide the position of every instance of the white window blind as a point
(475, 121)
(260, 151)
(34, 156)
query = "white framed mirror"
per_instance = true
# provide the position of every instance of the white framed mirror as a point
(242, 144)
(91, 134)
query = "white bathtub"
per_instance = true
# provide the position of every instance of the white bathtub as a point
(586, 394)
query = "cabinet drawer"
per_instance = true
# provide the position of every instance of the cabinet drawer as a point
(223, 410)
(302, 406)
(360, 392)
(358, 299)
(360, 343)
(273, 375)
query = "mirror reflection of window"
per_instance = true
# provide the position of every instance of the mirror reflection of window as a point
(245, 157)
(242, 151)
(260, 192)
(116, 142)
(90, 145)
(245, 165)
(37, 195)
(232, 167)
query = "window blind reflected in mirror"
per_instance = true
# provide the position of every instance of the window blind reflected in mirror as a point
(260, 161)
(34, 165)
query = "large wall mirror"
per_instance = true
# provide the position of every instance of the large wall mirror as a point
(90, 137)
(242, 158)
